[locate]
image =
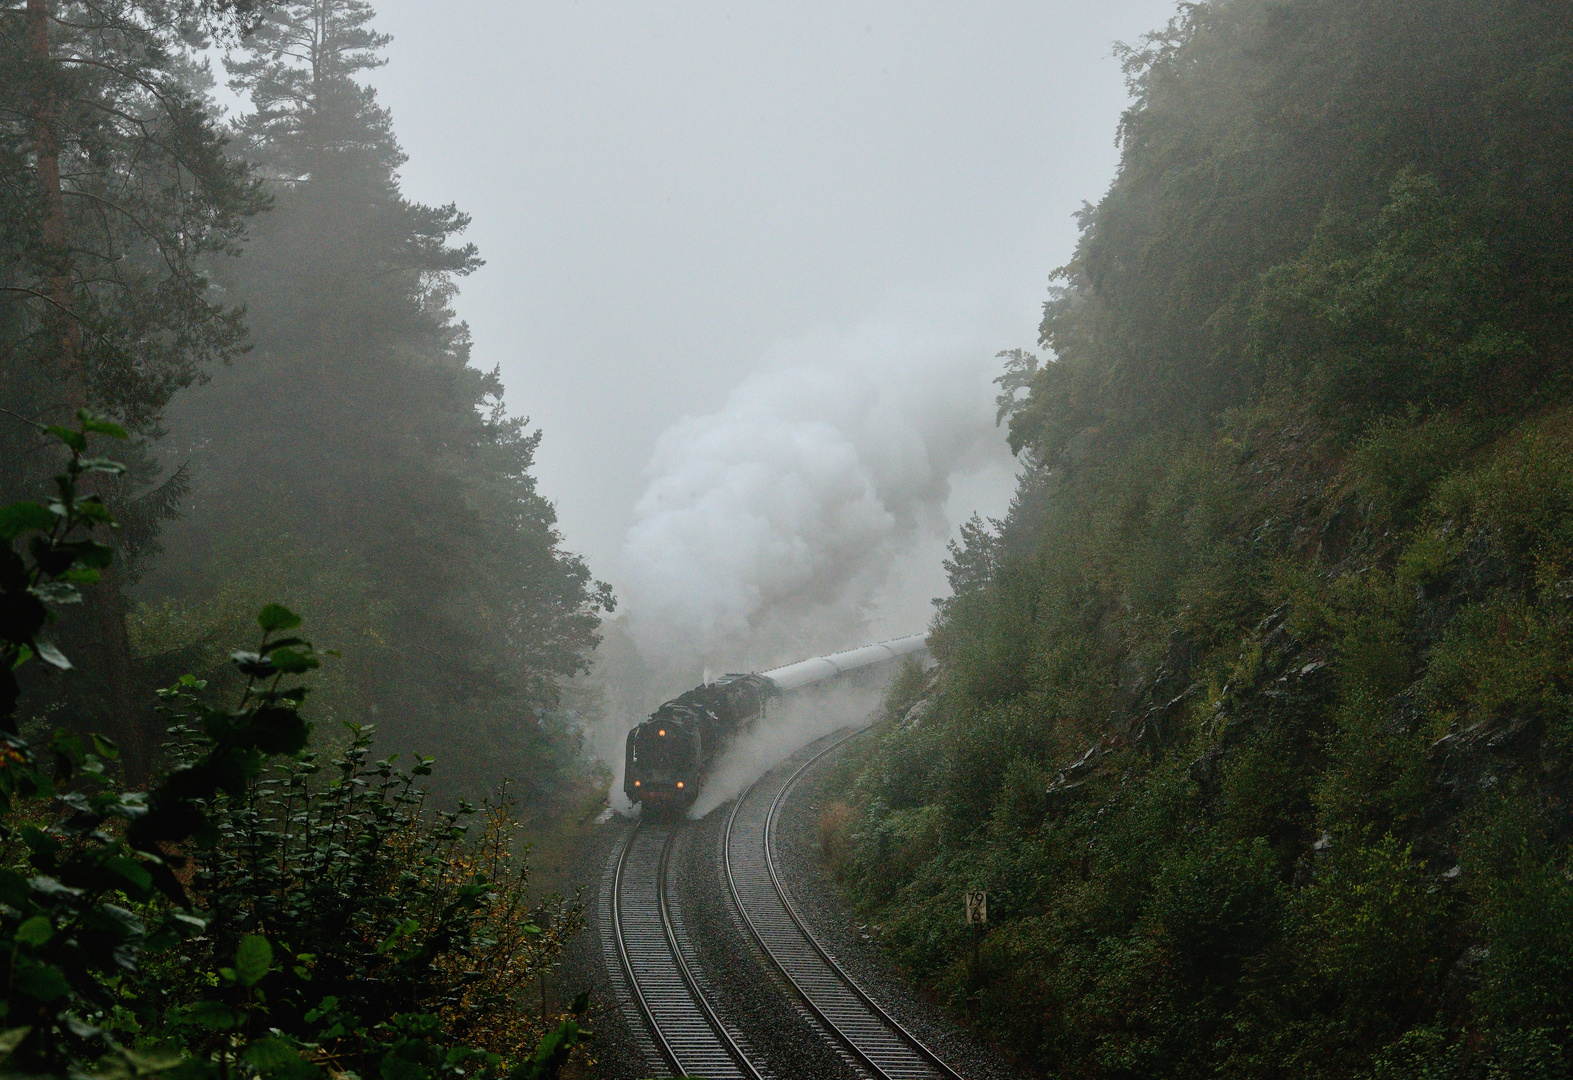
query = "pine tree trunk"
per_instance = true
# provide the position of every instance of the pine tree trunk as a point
(57, 253)
(131, 725)
(107, 606)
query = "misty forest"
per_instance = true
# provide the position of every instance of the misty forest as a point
(1248, 704)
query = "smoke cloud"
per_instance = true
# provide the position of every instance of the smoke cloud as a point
(769, 527)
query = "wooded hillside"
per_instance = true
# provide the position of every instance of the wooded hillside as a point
(1253, 713)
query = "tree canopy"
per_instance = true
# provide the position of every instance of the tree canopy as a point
(354, 427)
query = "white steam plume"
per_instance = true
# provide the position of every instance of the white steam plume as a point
(790, 723)
(768, 527)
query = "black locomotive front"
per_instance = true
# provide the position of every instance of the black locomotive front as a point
(668, 754)
(664, 758)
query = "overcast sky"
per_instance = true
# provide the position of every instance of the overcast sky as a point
(669, 194)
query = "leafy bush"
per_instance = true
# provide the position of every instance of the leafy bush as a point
(254, 913)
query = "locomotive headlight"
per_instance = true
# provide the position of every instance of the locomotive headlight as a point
(679, 783)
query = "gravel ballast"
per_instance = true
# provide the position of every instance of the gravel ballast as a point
(749, 993)
(617, 1047)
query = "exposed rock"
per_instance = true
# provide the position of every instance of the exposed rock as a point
(913, 717)
(1204, 770)
(1161, 720)
(1085, 767)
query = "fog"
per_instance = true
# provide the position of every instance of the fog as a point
(682, 204)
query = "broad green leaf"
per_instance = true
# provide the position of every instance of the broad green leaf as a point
(90, 553)
(292, 661)
(68, 749)
(253, 959)
(277, 617)
(22, 517)
(279, 731)
(395, 1067)
(327, 1006)
(99, 426)
(133, 871)
(35, 931)
(44, 846)
(43, 982)
(74, 439)
(92, 508)
(212, 1015)
(273, 1057)
(13, 889)
(153, 1061)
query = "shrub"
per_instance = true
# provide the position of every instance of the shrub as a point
(243, 917)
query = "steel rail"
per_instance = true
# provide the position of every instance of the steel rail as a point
(840, 973)
(711, 1020)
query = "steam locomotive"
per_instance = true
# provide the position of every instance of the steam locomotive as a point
(668, 755)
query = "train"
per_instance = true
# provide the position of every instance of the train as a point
(667, 756)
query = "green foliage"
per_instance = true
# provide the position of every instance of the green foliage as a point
(149, 195)
(240, 918)
(1253, 712)
(120, 198)
(1268, 209)
(1400, 312)
(63, 556)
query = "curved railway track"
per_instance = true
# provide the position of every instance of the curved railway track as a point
(676, 1008)
(670, 993)
(884, 1048)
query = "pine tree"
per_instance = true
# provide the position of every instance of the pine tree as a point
(359, 414)
(117, 190)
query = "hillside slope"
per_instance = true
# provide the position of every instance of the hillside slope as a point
(1253, 714)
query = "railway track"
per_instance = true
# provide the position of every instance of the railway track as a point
(666, 988)
(670, 992)
(885, 1049)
